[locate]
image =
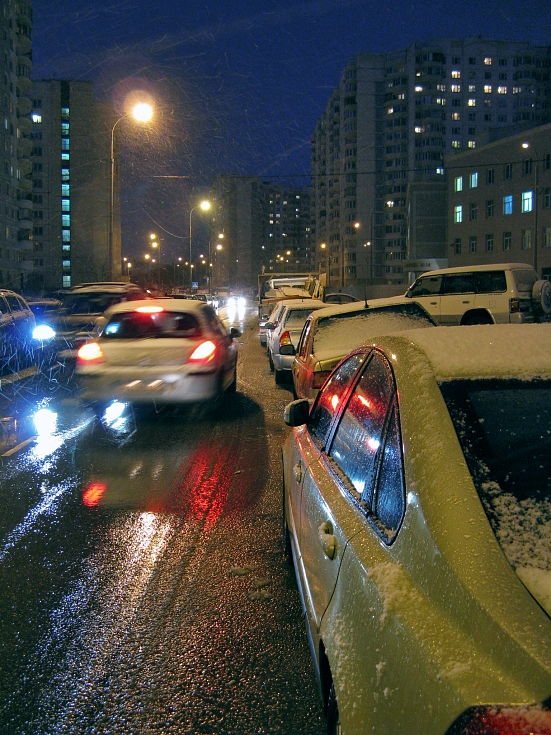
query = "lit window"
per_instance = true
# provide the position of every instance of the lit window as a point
(36, 118)
(471, 102)
(458, 213)
(456, 116)
(488, 61)
(456, 88)
(471, 144)
(456, 74)
(508, 204)
(502, 90)
(474, 180)
(456, 144)
(488, 89)
(65, 205)
(472, 88)
(458, 184)
(527, 201)
(418, 88)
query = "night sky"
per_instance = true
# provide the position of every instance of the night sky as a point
(240, 85)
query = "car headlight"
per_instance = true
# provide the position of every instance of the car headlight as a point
(43, 333)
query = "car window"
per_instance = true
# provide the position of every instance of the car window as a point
(329, 398)
(302, 348)
(90, 303)
(426, 286)
(357, 440)
(389, 501)
(295, 318)
(504, 428)
(4, 308)
(13, 301)
(137, 325)
(524, 279)
(458, 283)
(494, 282)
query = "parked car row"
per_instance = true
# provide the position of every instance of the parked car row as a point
(417, 505)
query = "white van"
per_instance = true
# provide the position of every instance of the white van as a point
(483, 294)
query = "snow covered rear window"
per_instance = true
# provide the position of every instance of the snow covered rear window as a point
(348, 330)
(525, 279)
(296, 317)
(504, 428)
(138, 325)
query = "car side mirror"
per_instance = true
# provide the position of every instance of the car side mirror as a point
(234, 333)
(287, 350)
(297, 412)
(269, 325)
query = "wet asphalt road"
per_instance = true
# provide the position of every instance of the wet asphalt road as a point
(142, 584)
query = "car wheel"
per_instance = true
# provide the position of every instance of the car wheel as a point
(232, 388)
(280, 377)
(333, 719)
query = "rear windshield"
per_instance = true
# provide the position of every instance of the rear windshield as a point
(296, 317)
(525, 279)
(345, 331)
(504, 428)
(90, 303)
(136, 325)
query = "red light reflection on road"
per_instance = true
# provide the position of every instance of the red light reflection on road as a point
(92, 494)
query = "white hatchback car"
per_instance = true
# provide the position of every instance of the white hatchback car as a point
(159, 351)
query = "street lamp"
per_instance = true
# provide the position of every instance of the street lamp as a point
(535, 251)
(142, 112)
(205, 205)
(156, 243)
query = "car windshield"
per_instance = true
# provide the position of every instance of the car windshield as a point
(296, 317)
(504, 428)
(343, 332)
(90, 303)
(138, 325)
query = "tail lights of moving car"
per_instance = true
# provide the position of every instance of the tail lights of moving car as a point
(149, 309)
(499, 720)
(90, 354)
(203, 354)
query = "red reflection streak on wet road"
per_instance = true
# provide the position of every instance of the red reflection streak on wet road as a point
(93, 493)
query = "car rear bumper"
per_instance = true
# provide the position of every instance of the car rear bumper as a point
(161, 388)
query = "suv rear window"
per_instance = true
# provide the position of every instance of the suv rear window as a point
(525, 279)
(137, 325)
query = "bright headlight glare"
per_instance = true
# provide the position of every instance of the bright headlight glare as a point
(43, 333)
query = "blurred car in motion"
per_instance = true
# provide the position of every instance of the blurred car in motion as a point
(417, 507)
(159, 351)
(17, 325)
(282, 337)
(77, 320)
(330, 333)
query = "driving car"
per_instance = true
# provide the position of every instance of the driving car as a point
(77, 319)
(330, 333)
(17, 324)
(159, 351)
(417, 511)
(282, 338)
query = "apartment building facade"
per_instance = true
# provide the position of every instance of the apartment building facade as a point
(15, 145)
(264, 227)
(499, 202)
(70, 186)
(378, 174)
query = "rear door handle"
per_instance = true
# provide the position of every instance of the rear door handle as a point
(297, 471)
(327, 539)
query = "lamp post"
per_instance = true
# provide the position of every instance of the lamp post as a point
(536, 172)
(205, 206)
(156, 243)
(142, 113)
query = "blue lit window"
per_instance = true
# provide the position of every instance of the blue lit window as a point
(65, 220)
(65, 174)
(65, 190)
(508, 204)
(527, 201)
(66, 235)
(65, 205)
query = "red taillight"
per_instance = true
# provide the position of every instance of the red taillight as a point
(320, 378)
(149, 309)
(531, 720)
(90, 354)
(285, 339)
(204, 353)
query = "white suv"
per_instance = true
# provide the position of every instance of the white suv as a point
(483, 294)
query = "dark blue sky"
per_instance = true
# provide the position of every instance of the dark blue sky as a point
(242, 83)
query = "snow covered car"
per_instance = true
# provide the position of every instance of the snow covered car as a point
(417, 505)
(330, 333)
(159, 351)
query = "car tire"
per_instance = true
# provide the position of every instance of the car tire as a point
(280, 377)
(232, 388)
(333, 719)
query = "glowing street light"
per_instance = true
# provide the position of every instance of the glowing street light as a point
(205, 205)
(142, 112)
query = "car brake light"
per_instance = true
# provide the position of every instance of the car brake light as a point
(320, 378)
(149, 309)
(514, 306)
(90, 354)
(285, 339)
(204, 353)
(532, 720)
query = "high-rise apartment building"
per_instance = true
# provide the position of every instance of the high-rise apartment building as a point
(264, 227)
(15, 145)
(378, 175)
(71, 180)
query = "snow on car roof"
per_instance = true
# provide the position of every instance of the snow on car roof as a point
(333, 309)
(497, 350)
